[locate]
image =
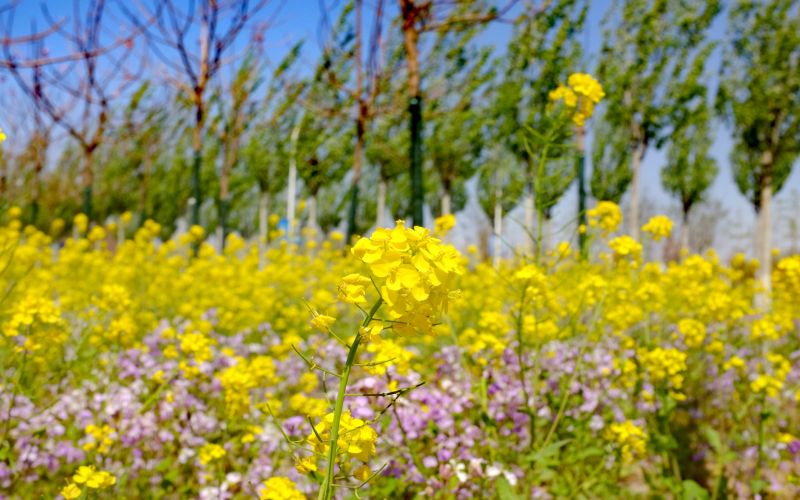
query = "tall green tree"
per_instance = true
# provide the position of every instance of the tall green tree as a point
(237, 109)
(690, 169)
(542, 52)
(759, 96)
(643, 44)
(416, 18)
(499, 189)
(195, 43)
(459, 73)
(266, 154)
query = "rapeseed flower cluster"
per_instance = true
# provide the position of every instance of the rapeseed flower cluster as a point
(356, 438)
(606, 215)
(659, 226)
(413, 272)
(629, 437)
(582, 93)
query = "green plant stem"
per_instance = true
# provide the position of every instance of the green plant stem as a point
(327, 486)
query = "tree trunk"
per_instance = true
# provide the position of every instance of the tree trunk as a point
(379, 222)
(636, 166)
(417, 183)
(361, 121)
(498, 221)
(291, 189)
(409, 13)
(197, 149)
(764, 243)
(224, 187)
(446, 202)
(580, 167)
(685, 232)
(263, 226)
(312, 215)
(37, 188)
(530, 229)
(87, 177)
(143, 180)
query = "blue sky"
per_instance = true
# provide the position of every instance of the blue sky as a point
(300, 19)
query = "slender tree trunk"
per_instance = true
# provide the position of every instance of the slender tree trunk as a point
(37, 189)
(528, 206)
(379, 216)
(312, 214)
(87, 177)
(361, 119)
(409, 12)
(544, 234)
(143, 181)
(446, 202)
(764, 238)
(685, 232)
(197, 158)
(224, 187)
(263, 226)
(636, 166)
(580, 167)
(291, 189)
(498, 221)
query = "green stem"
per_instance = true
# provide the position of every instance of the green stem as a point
(327, 486)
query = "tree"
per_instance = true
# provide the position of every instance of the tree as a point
(236, 113)
(170, 25)
(542, 52)
(416, 18)
(77, 95)
(266, 154)
(643, 43)
(690, 169)
(387, 148)
(458, 74)
(759, 96)
(498, 192)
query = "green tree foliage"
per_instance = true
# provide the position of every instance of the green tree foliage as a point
(759, 97)
(543, 51)
(645, 45)
(690, 169)
(458, 74)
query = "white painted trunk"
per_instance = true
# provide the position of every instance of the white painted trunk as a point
(379, 216)
(446, 210)
(263, 227)
(498, 226)
(764, 247)
(120, 231)
(636, 167)
(220, 239)
(530, 229)
(312, 214)
(545, 234)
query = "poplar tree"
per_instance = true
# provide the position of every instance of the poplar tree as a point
(643, 43)
(759, 97)
(690, 169)
(542, 52)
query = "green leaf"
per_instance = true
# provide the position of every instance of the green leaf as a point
(712, 436)
(693, 491)
(547, 452)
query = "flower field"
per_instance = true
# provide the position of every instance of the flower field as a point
(135, 369)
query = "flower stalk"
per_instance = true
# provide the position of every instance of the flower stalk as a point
(326, 490)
